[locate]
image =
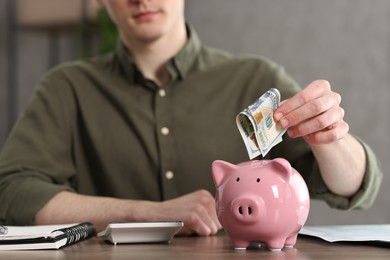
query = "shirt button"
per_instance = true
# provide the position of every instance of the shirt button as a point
(162, 93)
(169, 175)
(165, 131)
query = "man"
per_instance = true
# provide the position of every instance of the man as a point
(130, 136)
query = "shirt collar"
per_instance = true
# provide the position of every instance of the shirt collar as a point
(179, 66)
(185, 58)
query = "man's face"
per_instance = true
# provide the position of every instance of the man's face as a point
(146, 20)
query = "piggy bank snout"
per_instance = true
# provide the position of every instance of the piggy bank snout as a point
(247, 209)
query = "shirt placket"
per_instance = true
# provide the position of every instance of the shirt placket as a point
(165, 139)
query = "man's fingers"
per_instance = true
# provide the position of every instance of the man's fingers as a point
(313, 91)
(319, 123)
(197, 211)
(331, 134)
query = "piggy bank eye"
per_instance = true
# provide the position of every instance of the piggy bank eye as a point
(258, 180)
(238, 179)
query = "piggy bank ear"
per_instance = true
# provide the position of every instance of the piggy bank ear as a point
(221, 170)
(283, 167)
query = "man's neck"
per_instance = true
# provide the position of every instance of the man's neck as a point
(151, 57)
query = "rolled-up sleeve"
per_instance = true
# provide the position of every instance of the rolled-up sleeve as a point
(35, 163)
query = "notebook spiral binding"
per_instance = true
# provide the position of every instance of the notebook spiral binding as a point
(3, 230)
(79, 232)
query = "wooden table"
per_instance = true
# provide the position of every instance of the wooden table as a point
(213, 248)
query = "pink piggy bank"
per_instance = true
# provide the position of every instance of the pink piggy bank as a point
(260, 201)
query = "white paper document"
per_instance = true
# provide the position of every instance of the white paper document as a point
(351, 233)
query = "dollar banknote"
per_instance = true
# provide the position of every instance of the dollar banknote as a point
(257, 126)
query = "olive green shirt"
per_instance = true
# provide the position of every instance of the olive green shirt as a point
(98, 127)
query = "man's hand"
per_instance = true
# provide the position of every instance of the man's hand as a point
(196, 210)
(314, 114)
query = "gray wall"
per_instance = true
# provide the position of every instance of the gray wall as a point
(344, 41)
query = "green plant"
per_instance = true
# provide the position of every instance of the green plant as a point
(107, 32)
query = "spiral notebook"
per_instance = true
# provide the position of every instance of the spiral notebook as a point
(44, 236)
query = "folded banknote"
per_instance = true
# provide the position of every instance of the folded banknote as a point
(257, 126)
